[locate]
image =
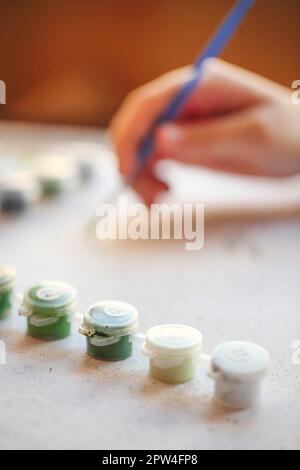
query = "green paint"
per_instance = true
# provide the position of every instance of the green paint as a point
(113, 352)
(7, 282)
(56, 174)
(173, 350)
(52, 188)
(181, 373)
(109, 326)
(5, 303)
(48, 307)
(59, 330)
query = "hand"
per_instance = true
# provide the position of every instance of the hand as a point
(235, 121)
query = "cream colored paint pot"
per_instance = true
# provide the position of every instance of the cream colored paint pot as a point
(173, 351)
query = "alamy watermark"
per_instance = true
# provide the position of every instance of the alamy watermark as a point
(296, 353)
(2, 92)
(2, 353)
(126, 220)
(296, 94)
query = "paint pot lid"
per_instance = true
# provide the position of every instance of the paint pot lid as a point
(112, 318)
(83, 154)
(55, 168)
(239, 360)
(8, 275)
(173, 339)
(50, 295)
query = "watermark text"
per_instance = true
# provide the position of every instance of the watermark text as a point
(2, 92)
(296, 94)
(125, 221)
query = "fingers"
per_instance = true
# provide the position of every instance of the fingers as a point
(149, 186)
(220, 90)
(138, 112)
(224, 94)
(225, 88)
(236, 143)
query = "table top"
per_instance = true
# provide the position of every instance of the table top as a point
(244, 285)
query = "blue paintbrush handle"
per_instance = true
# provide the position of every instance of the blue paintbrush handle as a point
(213, 49)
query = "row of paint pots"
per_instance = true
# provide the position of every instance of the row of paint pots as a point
(174, 351)
(48, 176)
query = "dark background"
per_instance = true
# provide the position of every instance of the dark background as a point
(73, 61)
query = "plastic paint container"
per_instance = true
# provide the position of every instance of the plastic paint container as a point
(83, 154)
(85, 161)
(86, 169)
(8, 276)
(173, 351)
(109, 327)
(56, 174)
(17, 191)
(48, 307)
(238, 369)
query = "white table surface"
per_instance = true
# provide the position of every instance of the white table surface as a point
(243, 285)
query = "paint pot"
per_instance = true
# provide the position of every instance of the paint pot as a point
(238, 369)
(174, 352)
(86, 169)
(8, 276)
(56, 174)
(85, 155)
(48, 307)
(17, 191)
(109, 327)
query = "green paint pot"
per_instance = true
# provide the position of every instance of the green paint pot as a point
(17, 191)
(52, 188)
(48, 307)
(173, 351)
(56, 174)
(109, 326)
(8, 276)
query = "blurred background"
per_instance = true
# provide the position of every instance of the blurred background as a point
(73, 61)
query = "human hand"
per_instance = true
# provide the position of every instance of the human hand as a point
(235, 121)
